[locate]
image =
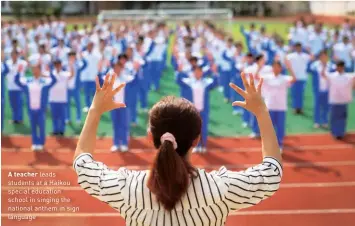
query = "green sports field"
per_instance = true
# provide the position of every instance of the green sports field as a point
(222, 122)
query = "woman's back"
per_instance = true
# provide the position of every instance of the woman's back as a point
(209, 198)
(173, 192)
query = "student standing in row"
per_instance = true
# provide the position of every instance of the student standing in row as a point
(320, 89)
(58, 96)
(275, 95)
(120, 117)
(74, 87)
(198, 93)
(88, 75)
(340, 95)
(4, 71)
(36, 90)
(15, 66)
(297, 64)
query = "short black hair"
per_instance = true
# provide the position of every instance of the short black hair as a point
(57, 61)
(298, 44)
(249, 54)
(122, 55)
(72, 53)
(259, 57)
(340, 63)
(193, 58)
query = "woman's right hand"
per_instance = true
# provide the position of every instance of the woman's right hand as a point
(104, 97)
(252, 95)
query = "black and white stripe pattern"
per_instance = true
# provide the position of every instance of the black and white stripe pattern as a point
(208, 201)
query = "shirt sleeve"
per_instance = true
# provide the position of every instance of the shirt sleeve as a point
(248, 188)
(99, 181)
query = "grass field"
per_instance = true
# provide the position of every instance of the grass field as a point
(222, 122)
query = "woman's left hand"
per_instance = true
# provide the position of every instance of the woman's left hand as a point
(104, 97)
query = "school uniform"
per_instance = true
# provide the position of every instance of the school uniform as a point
(226, 70)
(237, 80)
(156, 61)
(340, 95)
(45, 60)
(320, 91)
(36, 91)
(4, 71)
(60, 53)
(199, 94)
(316, 43)
(120, 117)
(299, 63)
(15, 93)
(275, 97)
(249, 35)
(266, 69)
(74, 90)
(58, 99)
(132, 92)
(342, 52)
(88, 75)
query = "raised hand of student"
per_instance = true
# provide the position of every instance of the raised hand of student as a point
(104, 97)
(252, 95)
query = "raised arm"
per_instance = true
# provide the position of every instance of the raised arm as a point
(18, 82)
(255, 104)
(102, 102)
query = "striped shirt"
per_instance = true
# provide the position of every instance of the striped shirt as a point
(208, 201)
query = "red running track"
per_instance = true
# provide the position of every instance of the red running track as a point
(318, 186)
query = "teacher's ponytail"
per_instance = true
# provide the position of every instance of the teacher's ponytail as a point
(175, 124)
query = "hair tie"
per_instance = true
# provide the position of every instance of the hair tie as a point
(170, 137)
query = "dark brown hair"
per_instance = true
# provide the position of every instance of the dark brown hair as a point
(171, 171)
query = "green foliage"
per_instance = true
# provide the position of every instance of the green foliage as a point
(36, 8)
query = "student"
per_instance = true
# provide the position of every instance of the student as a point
(36, 90)
(342, 51)
(58, 96)
(317, 41)
(320, 89)
(133, 67)
(226, 69)
(43, 57)
(340, 95)
(275, 95)
(120, 117)
(74, 87)
(15, 66)
(297, 64)
(4, 71)
(199, 94)
(61, 51)
(89, 74)
(258, 69)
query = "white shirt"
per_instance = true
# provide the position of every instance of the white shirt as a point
(299, 63)
(343, 52)
(35, 87)
(59, 92)
(275, 91)
(318, 67)
(340, 87)
(61, 53)
(209, 199)
(92, 69)
(13, 70)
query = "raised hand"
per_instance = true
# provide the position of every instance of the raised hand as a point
(252, 95)
(104, 97)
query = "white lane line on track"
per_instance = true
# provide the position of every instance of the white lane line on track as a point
(335, 147)
(239, 213)
(209, 167)
(283, 185)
